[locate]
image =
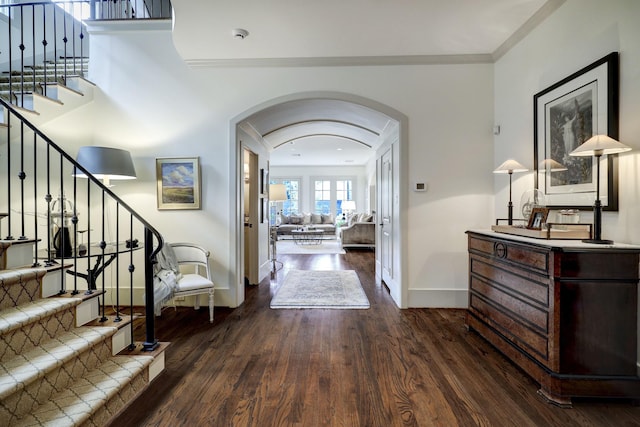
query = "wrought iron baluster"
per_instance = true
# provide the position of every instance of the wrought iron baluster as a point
(44, 46)
(35, 204)
(21, 56)
(9, 204)
(117, 318)
(21, 176)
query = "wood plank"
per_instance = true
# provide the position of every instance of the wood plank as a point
(379, 367)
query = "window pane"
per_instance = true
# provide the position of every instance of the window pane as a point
(322, 196)
(343, 192)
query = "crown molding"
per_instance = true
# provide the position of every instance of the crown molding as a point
(346, 61)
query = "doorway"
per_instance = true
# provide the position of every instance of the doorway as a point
(250, 215)
(345, 116)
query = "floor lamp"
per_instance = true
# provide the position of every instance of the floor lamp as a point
(106, 163)
(510, 166)
(277, 193)
(596, 146)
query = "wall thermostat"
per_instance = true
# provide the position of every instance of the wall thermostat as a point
(419, 186)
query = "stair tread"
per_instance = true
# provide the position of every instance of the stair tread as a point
(26, 368)
(16, 317)
(75, 405)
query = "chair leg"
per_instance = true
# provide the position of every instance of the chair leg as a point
(196, 304)
(211, 306)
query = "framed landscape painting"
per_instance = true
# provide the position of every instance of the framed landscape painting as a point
(178, 183)
(567, 114)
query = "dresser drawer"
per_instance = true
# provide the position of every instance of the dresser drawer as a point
(521, 309)
(529, 286)
(528, 257)
(510, 327)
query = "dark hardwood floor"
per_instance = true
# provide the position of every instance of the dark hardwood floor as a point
(317, 367)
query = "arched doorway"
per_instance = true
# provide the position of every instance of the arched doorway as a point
(339, 115)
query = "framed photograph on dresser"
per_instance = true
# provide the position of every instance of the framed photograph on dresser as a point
(538, 218)
(566, 114)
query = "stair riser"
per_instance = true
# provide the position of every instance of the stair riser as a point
(87, 311)
(41, 391)
(16, 255)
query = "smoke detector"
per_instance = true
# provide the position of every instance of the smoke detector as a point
(240, 33)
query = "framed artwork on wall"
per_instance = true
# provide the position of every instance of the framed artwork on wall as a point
(565, 115)
(178, 181)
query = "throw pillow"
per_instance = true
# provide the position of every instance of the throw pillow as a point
(286, 219)
(327, 219)
(367, 218)
(306, 218)
(316, 219)
(296, 219)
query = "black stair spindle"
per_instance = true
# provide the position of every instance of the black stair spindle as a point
(9, 236)
(35, 205)
(21, 47)
(33, 46)
(48, 199)
(117, 318)
(44, 46)
(21, 176)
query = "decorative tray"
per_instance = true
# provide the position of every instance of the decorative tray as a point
(551, 231)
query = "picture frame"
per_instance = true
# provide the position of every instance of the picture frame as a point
(537, 218)
(565, 115)
(178, 183)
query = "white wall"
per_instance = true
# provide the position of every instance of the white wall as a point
(577, 34)
(150, 102)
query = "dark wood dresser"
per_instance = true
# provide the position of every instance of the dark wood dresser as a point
(564, 311)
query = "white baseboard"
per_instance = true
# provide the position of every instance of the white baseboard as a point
(438, 298)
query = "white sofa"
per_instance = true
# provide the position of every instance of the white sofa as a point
(326, 223)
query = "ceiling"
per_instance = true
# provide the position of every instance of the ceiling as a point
(344, 32)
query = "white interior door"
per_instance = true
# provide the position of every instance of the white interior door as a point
(251, 221)
(385, 216)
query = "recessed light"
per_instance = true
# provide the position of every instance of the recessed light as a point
(296, 154)
(339, 149)
(349, 161)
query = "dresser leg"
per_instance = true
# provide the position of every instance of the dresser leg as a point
(562, 402)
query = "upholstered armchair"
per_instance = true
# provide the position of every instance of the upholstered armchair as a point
(171, 281)
(358, 234)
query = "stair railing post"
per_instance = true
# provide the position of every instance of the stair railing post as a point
(150, 340)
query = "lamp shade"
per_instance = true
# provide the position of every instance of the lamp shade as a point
(106, 163)
(277, 192)
(552, 165)
(348, 205)
(598, 145)
(510, 166)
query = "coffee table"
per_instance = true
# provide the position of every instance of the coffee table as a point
(310, 236)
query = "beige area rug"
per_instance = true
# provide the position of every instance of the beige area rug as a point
(287, 247)
(339, 289)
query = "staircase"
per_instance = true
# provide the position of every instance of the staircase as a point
(47, 79)
(59, 363)
(65, 357)
(46, 91)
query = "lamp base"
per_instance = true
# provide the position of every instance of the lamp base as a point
(599, 241)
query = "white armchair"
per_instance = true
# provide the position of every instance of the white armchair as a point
(194, 282)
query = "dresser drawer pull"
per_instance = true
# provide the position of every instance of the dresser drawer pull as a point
(500, 250)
